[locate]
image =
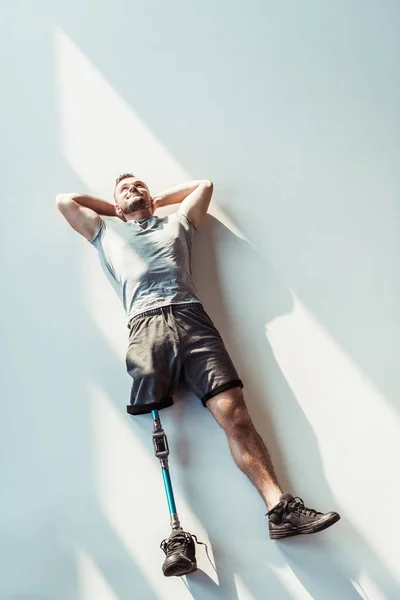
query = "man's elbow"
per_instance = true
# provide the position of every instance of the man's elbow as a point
(63, 198)
(208, 187)
(64, 202)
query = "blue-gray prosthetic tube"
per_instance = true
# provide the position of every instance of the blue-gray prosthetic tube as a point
(161, 451)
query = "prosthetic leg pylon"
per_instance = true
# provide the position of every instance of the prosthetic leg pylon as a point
(179, 547)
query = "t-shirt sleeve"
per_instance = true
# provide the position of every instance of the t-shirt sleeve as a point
(98, 236)
(187, 223)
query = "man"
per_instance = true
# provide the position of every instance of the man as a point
(171, 335)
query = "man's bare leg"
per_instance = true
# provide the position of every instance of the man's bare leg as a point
(247, 448)
(289, 515)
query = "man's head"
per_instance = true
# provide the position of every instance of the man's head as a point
(132, 195)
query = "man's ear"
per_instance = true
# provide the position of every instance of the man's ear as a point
(119, 212)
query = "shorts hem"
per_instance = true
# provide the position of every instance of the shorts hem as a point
(142, 409)
(221, 388)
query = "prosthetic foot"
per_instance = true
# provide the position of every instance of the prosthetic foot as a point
(180, 554)
(179, 547)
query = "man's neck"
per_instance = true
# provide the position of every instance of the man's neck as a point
(138, 215)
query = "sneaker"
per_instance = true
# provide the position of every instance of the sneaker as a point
(290, 517)
(180, 554)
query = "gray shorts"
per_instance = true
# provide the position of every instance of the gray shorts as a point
(175, 342)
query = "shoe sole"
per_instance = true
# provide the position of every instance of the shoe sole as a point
(179, 568)
(304, 529)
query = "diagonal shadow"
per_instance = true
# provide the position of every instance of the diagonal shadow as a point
(362, 320)
(56, 380)
(339, 568)
(47, 447)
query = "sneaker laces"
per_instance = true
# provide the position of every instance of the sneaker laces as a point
(170, 544)
(296, 505)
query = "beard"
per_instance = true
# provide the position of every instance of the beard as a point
(137, 203)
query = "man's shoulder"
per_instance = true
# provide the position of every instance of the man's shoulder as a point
(110, 225)
(115, 224)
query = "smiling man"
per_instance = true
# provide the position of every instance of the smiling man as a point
(132, 196)
(172, 337)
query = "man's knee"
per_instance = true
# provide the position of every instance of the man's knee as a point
(229, 409)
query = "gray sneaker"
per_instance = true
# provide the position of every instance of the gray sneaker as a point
(180, 554)
(290, 517)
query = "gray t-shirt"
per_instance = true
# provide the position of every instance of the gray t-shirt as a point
(150, 260)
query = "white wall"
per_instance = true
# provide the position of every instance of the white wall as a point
(292, 110)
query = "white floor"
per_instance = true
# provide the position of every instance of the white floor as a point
(293, 113)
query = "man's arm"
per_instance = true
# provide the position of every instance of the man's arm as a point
(194, 196)
(82, 212)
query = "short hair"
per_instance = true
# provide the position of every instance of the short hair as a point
(123, 176)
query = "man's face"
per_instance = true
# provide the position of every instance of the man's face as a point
(132, 194)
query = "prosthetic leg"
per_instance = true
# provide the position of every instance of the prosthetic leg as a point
(179, 547)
